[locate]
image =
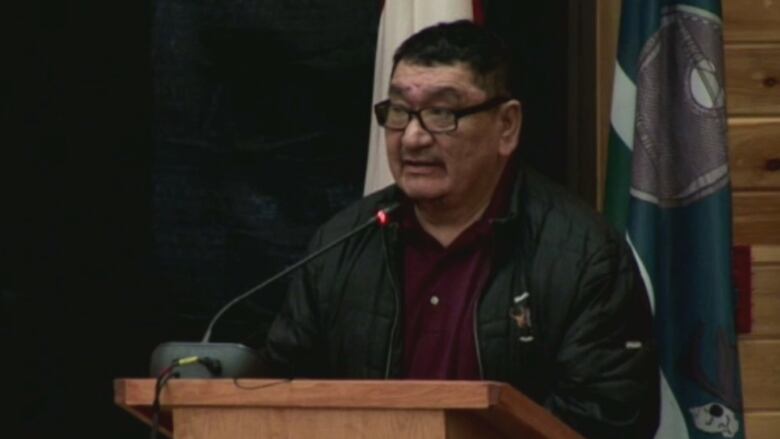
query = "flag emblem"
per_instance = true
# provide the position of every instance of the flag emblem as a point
(678, 73)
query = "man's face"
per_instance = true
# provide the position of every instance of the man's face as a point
(454, 167)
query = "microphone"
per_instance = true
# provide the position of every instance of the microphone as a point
(208, 359)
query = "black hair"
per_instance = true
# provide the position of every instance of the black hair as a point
(462, 41)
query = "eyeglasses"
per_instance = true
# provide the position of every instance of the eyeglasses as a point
(433, 120)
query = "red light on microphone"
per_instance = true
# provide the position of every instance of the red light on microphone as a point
(382, 218)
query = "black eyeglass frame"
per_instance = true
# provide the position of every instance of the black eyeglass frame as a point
(384, 107)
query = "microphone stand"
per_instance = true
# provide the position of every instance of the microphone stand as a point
(209, 359)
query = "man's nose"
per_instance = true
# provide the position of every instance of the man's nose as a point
(415, 135)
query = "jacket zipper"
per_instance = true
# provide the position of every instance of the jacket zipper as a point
(476, 308)
(394, 287)
(476, 340)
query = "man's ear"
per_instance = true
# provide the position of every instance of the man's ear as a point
(510, 123)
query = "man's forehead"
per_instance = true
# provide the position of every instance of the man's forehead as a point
(430, 91)
(435, 81)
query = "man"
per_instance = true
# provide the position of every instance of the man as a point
(485, 271)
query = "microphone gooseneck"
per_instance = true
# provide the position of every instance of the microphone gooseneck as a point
(380, 218)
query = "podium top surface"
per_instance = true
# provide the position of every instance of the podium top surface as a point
(410, 394)
(480, 396)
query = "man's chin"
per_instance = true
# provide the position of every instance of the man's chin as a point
(422, 193)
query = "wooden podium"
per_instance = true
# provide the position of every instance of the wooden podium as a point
(266, 408)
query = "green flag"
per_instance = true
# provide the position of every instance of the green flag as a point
(668, 189)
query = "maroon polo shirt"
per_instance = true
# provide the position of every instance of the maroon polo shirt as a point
(441, 287)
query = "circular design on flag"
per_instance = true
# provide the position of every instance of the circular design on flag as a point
(680, 151)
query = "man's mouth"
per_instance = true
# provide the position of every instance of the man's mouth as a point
(422, 166)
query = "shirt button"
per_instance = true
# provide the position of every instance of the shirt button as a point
(434, 300)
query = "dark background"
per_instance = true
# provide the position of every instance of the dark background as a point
(160, 157)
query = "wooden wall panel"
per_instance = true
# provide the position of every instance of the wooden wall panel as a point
(752, 34)
(753, 79)
(756, 217)
(751, 20)
(762, 425)
(760, 362)
(755, 153)
(765, 254)
(766, 300)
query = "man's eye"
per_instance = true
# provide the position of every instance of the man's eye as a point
(396, 113)
(438, 116)
(438, 112)
(397, 109)
(396, 116)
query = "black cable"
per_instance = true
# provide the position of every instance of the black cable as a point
(214, 367)
(162, 379)
(238, 385)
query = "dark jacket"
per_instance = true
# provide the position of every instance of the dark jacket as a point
(588, 355)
